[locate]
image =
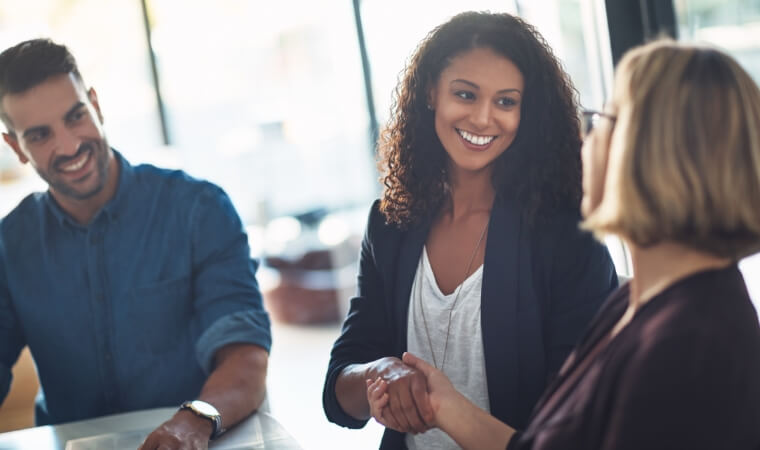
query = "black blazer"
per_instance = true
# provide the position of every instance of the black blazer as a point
(541, 287)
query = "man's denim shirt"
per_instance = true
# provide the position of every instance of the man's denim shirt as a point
(127, 312)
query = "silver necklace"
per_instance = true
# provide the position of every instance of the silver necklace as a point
(453, 305)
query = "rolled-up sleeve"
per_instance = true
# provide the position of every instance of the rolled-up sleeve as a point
(227, 299)
(248, 326)
(11, 338)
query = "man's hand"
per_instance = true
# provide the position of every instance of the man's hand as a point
(408, 407)
(185, 431)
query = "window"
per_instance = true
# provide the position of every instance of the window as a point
(732, 25)
(267, 101)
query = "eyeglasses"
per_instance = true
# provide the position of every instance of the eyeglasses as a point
(590, 118)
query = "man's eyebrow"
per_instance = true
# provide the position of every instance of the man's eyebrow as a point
(73, 110)
(77, 106)
(36, 129)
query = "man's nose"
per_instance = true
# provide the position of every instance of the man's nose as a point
(67, 142)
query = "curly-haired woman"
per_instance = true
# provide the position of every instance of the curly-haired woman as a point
(473, 258)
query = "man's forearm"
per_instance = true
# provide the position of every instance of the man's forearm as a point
(237, 385)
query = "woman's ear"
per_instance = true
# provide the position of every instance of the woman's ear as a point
(431, 96)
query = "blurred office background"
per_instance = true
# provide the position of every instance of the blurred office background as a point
(280, 104)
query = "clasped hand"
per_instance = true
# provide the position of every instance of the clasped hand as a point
(408, 390)
(398, 397)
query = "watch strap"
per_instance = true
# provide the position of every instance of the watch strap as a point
(216, 419)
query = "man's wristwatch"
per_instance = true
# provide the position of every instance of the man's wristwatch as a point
(205, 410)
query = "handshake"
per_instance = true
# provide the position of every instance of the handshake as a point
(409, 395)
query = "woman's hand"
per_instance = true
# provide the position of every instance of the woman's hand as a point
(377, 397)
(443, 396)
(468, 425)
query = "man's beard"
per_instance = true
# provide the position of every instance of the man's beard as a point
(98, 149)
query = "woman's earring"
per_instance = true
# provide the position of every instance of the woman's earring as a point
(430, 107)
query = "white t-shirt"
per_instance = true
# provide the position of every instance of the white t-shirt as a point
(464, 362)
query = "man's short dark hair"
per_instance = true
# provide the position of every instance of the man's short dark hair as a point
(30, 63)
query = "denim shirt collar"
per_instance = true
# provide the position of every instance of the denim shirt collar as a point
(111, 208)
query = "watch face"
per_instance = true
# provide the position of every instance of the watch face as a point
(204, 408)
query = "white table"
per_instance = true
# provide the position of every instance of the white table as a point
(126, 431)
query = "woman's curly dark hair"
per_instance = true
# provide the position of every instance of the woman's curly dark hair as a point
(541, 169)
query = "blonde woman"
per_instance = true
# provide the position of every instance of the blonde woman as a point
(673, 359)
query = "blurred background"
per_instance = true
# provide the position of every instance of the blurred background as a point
(280, 104)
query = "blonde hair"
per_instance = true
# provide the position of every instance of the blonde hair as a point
(684, 156)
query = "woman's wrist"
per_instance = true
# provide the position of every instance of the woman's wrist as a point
(454, 411)
(470, 426)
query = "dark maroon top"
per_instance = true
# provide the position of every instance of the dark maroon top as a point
(684, 374)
